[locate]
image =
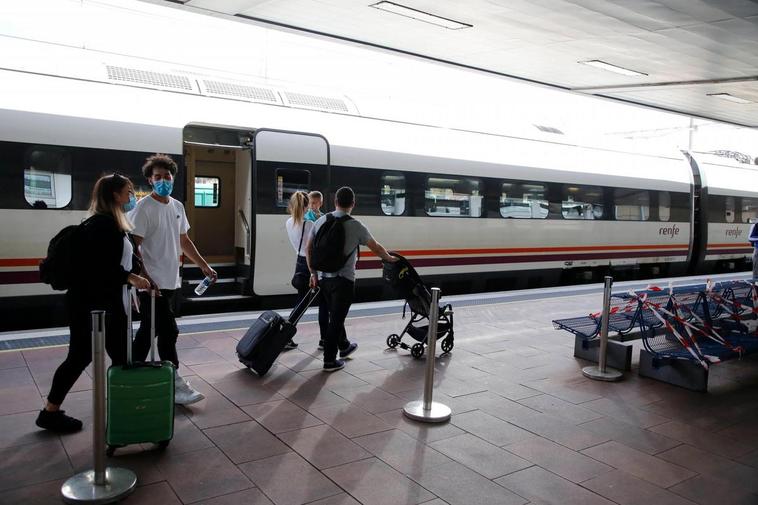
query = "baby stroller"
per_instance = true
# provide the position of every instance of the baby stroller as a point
(408, 284)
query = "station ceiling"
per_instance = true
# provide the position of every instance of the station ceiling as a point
(698, 57)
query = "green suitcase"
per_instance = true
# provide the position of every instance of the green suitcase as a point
(140, 401)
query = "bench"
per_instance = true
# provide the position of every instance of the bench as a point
(719, 325)
(625, 315)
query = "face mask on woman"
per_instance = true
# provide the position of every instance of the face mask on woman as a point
(130, 204)
(163, 187)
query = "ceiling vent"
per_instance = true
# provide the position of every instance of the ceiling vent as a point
(221, 89)
(316, 102)
(149, 79)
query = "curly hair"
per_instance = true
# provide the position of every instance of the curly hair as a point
(159, 161)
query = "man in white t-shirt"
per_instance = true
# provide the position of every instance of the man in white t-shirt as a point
(160, 232)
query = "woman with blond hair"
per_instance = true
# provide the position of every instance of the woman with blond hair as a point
(298, 229)
(103, 268)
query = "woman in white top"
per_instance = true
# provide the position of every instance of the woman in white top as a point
(298, 229)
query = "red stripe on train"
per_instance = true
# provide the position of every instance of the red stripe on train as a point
(491, 260)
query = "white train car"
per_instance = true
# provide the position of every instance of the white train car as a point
(727, 204)
(472, 211)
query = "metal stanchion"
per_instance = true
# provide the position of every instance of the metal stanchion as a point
(601, 372)
(101, 485)
(428, 411)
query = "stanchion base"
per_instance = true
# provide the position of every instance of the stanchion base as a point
(439, 413)
(81, 488)
(610, 375)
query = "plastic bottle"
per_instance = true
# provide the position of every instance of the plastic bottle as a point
(204, 284)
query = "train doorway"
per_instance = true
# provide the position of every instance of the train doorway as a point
(211, 198)
(218, 205)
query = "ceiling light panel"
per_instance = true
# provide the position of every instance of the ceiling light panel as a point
(422, 16)
(730, 98)
(612, 68)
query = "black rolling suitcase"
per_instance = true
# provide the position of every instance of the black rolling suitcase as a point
(268, 335)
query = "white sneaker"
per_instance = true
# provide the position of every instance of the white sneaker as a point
(184, 394)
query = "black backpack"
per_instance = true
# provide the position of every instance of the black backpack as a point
(59, 266)
(327, 251)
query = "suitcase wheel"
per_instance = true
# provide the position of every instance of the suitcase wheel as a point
(163, 444)
(111, 450)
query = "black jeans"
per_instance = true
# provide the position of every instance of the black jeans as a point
(338, 295)
(166, 330)
(80, 341)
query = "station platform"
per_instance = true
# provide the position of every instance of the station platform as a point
(527, 426)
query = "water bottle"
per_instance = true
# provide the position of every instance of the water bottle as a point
(200, 289)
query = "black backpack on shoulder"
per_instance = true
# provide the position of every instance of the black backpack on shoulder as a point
(327, 252)
(58, 268)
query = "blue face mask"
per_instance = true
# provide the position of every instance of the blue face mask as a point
(163, 187)
(130, 204)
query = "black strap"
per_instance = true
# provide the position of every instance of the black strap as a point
(301, 239)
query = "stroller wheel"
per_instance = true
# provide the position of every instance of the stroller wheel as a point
(447, 345)
(393, 340)
(417, 350)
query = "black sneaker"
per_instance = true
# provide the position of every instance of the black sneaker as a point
(290, 345)
(320, 345)
(58, 422)
(333, 366)
(350, 350)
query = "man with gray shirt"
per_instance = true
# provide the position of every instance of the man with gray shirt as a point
(338, 287)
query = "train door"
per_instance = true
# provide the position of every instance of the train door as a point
(283, 162)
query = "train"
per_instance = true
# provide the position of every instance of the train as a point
(473, 211)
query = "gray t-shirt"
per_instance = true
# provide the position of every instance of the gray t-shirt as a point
(355, 234)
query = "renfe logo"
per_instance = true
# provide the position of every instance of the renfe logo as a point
(735, 232)
(671, 231)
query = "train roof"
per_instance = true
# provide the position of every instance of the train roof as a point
(727, 176)
(66, 111)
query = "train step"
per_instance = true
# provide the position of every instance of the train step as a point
(224, 270)
(224, 286)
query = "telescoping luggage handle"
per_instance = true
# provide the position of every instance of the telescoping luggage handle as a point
(130, 329)
(303, 305)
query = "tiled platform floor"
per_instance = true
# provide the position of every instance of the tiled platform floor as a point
(527, 427)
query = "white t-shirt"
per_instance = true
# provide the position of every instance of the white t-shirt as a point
(294, 232)
(126, 262)
(160, 225)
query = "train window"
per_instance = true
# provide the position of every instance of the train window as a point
(453, 197)
(393, 195)
(664, 205)
(749, 210)
(729, 208)
(207, 191)
(47, 177)
(288, 181)
(582, 202)
(631, 204)
(524, 200)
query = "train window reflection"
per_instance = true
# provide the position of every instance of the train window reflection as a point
(582, 202)
(288, 181)
(207, 191)
(749, 210)
(47, 177)
(631, 204)
(453, 197)
(522, 200)
(393, 195)
(664, 205)
(729, 208)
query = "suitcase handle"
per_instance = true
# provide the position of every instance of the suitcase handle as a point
(303, 305)
(130, 332)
